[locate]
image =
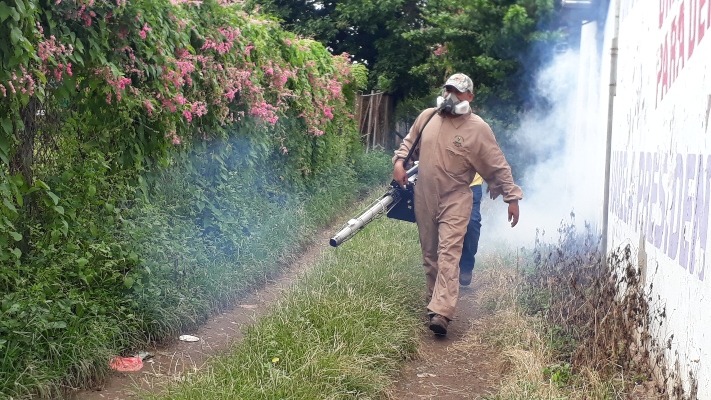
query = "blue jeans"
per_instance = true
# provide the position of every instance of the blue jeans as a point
(471, 239)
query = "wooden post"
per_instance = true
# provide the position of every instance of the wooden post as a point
(376, 127)
(370, 120)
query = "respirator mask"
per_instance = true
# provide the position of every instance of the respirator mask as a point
(452, 105)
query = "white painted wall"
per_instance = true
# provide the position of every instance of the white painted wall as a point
(660, 181)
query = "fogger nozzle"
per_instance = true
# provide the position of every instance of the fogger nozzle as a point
(352, 226)
(378, 209)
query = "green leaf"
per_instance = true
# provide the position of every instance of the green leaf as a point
(92, 190)
(20, 5)
(82, 262)
(40, 92)
(57, 325)
(16, 236)
(6, 126)
(77, 58)
(41, 185)
(5, 11)
(59, 209)
(93, 230)
(16, 35)
(17, 252)
(9, 205)
(128, 282)
(54, 197)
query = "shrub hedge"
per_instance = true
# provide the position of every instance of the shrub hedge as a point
(156, 158)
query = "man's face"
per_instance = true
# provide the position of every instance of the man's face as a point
(460, 95)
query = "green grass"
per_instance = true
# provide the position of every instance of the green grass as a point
(340, 333)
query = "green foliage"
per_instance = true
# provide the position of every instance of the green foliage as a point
(370, 31)
(561, 341)
(151, 158)
(360, 75)
(487, 40)
(372, 167)
(560, 374)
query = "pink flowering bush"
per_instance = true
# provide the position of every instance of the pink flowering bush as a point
(193, 113)
(151, 62)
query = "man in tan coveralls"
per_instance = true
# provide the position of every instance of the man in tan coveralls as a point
(455, 145)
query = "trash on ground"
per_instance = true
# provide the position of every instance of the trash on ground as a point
(189, 338)
(144, 355)
(126, 364)
(426, 375)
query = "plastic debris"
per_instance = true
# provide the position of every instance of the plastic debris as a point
(189, 338)
(144, 355)
(126, 364)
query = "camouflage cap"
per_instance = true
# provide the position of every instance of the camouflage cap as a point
(460, 82)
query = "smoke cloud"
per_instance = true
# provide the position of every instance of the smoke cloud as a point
(566, 135)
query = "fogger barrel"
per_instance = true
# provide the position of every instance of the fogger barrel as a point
(375, 211)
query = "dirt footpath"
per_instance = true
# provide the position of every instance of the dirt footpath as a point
(456, 366)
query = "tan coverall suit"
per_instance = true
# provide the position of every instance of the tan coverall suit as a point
(451, 152)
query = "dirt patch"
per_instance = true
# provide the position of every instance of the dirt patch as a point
(456, 366)
(174, 360)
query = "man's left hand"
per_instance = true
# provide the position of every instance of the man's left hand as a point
(513, 213)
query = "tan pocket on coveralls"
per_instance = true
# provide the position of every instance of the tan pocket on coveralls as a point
(455, 162)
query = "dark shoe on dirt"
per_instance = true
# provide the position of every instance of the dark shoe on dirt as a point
(465, 278)
(438, 325)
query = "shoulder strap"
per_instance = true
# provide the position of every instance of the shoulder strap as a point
(417, 141)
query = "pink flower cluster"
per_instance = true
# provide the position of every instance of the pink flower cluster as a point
(149, 106)
(173, 136)
(440, 50)
(231, 34)
(327, 92)
(264, 111)
(279, 76)
(61, 69)
(25, 83)
(193, 2)
(197, 109)
(49, 48)
(222, 46)
(144, 32)
(118, 83)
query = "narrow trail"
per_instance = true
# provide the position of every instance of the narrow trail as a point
(454, 367)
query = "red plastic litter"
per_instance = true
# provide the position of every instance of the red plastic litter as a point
(126, 364)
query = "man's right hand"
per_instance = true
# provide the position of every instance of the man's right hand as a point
(513, 212)
(399, 173)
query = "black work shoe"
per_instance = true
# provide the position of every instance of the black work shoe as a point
(465, 278)
(438, 325)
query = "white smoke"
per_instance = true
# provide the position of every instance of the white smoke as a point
(569, 141)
